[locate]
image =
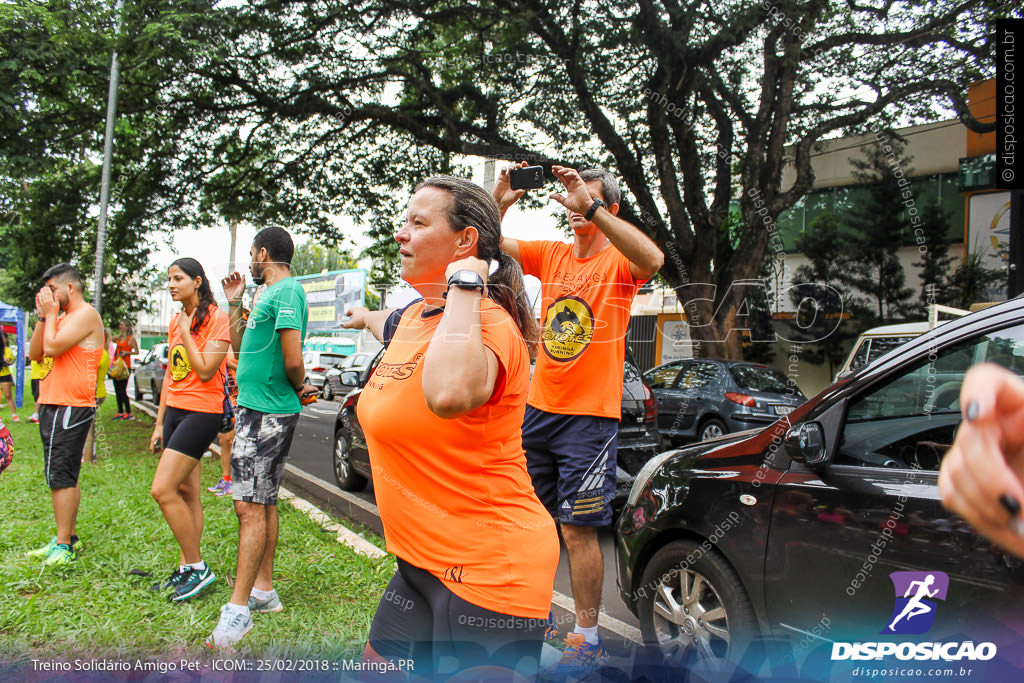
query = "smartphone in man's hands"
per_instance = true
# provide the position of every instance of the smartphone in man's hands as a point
(529, 178)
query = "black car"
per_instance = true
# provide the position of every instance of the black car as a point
(638, 438)
(700, 399)
(794, 529)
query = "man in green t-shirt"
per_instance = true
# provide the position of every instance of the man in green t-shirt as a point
(270, 387)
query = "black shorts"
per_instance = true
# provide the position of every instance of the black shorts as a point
(572, 462)
(190, 432)
(6, 379)
(63, 430)
(419, 619)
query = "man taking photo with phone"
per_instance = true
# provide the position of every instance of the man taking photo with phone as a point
(575, 397)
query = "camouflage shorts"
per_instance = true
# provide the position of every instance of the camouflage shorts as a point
(261, 445)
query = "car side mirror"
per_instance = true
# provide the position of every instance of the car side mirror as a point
(349, 378)
(806, 443)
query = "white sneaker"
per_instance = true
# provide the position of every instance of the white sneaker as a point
(231, 628)
(271, 604)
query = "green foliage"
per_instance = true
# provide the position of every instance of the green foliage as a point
(817, 293)
(875, 228)
(311, 258)
(936, 262)
(294, 112)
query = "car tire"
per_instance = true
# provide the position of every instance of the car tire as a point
(138, 391)
(348, 479)
(328, 393)
(711, 428)
(674, 597)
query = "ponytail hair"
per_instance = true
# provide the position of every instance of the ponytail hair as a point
(194, 269)
(472, 205)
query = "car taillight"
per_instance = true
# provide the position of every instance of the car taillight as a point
(317, 369)
(742, 399)
(650, 408)
(163, 366)
(349, 403)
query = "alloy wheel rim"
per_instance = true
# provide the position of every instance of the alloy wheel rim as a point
(341, 457)
(712, 431)
(690, 620)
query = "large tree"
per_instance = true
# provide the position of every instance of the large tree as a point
(294, 111)
(694, 105)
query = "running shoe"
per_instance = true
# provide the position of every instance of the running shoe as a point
(231, 628)
(14, 417)
(216, 487)
(271, 604)
(579, 657)
(225, 489)
(129, 416)
(76, 545)
(192, 583)
(119, 416)
(62, 554)
(34, 419)
(171, 581)
(551, 631)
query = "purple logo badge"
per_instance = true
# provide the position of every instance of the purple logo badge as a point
(916, 593)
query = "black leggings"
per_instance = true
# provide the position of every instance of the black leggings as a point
(121, 391)
(419, 619)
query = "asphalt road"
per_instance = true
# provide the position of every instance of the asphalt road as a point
(311, 453)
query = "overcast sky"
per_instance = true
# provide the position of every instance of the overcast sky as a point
(211, 246)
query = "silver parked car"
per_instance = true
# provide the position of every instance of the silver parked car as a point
(149, 374)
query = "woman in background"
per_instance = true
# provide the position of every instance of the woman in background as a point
(6, 377)
(125, 346)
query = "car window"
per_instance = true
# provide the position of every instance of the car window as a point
(762, 378)
(860, 359)
(910, 420)
(663, 377)
(698, 375)
(883, 345)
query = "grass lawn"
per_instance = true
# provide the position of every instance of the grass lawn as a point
(97, 608)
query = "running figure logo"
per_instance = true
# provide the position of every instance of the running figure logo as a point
(914, 611)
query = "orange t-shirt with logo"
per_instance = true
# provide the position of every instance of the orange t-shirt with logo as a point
(125, 346)
(70, 378)
(454, 495)
(585, 306)
(184, 388)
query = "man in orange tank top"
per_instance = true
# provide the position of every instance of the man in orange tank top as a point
(575, 400)
(68, 341)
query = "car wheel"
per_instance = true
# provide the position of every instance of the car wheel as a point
(138, 391)
(328, 392)
(347, 478)
(696, 612)
(712, 428)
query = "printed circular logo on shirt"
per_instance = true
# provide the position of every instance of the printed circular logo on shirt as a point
(568, 328)
(180, 367)
(46, 366)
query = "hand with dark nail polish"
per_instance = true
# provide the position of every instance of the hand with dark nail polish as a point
(982, 475)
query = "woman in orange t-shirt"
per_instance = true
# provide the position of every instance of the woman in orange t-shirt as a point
(125, 346)
(191, 405)
(442, 414)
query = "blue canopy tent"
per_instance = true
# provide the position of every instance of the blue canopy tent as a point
(12, 315)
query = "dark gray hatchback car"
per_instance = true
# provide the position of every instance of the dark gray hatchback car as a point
(700, 399)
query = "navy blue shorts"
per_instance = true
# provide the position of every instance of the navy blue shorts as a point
(572, 462)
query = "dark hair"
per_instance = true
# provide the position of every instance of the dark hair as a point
(277, 242)
(194, 269)
(472, 205)
(64, 272)
(609, 185)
